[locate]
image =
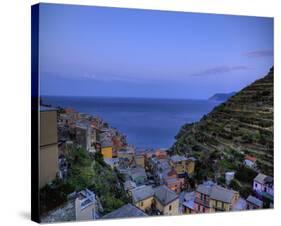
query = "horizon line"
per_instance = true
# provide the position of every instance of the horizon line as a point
(131, 97)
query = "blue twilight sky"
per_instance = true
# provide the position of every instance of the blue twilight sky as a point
(96, 51)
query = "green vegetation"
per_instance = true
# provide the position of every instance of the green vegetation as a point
(241, 126)
(85, 172)
(107, 185)
(245, 175)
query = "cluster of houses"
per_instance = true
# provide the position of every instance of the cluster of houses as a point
(155, 180)
(208, 197)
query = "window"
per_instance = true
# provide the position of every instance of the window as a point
(205, 197)
(141, 203)
(170, 207)
(198, 208)
(203, 209)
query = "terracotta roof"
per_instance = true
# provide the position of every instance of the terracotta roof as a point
(251, 158)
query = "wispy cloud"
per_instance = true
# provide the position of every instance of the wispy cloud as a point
(99, 77)
(220, 70)
(259, 53)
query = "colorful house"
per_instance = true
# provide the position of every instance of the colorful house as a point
(188, 205)
(107, 149)
(214, 198)
(173, 182)
(140, 160)
(263, 185)
(142, 197)
(166, 201)
(127, 153)
(182, 164)
(250, 161)
(254, 203)
(138, 175)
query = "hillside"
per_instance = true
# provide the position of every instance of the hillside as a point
(222, 96)
(241, 126)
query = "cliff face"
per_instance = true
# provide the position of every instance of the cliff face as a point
(243, 125)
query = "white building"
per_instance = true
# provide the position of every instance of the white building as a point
(85, 205)
(263, 185)
(229, 176)
(250, 162)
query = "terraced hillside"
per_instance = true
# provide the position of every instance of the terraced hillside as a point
(241, 126)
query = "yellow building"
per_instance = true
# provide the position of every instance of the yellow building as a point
(222, 199)
(166, 201)
(107, 152)
(107, 149)
(140, 160)
(214, 198)
(190, 164)
(142, 197)
(48, 153)
(182, 164)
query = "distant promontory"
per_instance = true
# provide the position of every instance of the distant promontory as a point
(222, 96)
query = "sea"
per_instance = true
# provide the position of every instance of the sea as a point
(147, 123)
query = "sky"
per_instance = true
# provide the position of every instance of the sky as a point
(99, 51)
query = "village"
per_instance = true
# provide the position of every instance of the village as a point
(156, 181)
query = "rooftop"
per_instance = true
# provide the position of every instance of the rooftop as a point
(127, 210)
(262, 178)
(111, 161)
(165, 195)
(129, 185)
(178, 158)
(204, 189)
(106, 143)
(250, 158)
(141, 193)
(189, 200)
(86, 198)
(253, 200)
(216, 192)
(222, 194)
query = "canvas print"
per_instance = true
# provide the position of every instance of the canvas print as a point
(142, 113)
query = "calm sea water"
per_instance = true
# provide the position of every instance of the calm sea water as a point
(148, 123)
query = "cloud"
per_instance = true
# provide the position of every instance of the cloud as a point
(220, 70)
(106, 77)
(259, 53)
